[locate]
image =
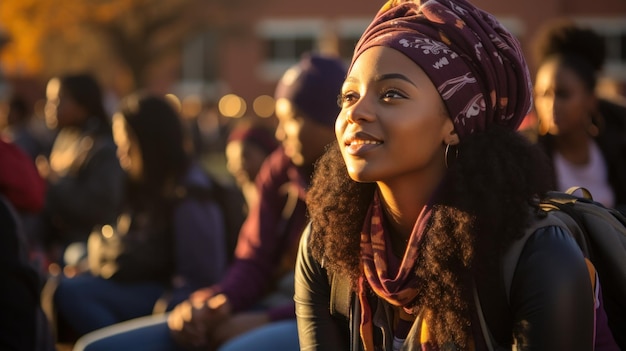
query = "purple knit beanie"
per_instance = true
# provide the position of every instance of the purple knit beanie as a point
(477, 66)
(312, 86)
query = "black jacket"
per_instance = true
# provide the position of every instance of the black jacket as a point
(551, 304)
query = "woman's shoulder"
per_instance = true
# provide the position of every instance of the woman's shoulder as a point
(552, 239)
(550, 259)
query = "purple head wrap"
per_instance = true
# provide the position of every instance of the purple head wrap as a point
(477, 65)
(312, 86)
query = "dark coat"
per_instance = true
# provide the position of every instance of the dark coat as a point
(551, 272)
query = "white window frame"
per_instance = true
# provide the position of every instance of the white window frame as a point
(269, 29)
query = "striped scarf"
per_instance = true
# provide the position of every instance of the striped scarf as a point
(394, 283)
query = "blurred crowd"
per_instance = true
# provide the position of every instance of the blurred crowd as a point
(114, 235)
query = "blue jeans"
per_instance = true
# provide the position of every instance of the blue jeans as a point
(141, 334)
(152, 334)
(281, 335)
(88, 303)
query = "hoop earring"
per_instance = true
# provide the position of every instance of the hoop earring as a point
(456, 154)
(596, 123)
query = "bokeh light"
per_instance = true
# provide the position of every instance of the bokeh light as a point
(192, 106)
(232, 105)
(263, 106)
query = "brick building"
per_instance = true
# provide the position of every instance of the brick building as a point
(248, 56)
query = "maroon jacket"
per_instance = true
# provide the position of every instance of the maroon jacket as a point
(20, 181)
(269, 237)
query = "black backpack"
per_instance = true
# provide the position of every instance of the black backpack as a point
(599, 231)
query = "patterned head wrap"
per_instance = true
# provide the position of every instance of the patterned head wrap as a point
(476, 64)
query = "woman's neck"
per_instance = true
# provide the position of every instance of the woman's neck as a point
(402, 208)
(574, 147)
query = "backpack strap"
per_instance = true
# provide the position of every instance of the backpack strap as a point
(343, 303)
(509, 264)
(513, 253)
(586, 193)
(340, 296)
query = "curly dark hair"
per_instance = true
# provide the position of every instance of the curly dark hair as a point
(483, 207)
(576, 46)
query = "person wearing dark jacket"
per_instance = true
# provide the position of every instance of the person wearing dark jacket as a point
(166, 241)
(23, 325)
(428, 185)
(85, 180)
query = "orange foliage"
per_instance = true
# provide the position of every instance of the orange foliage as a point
(28, 23)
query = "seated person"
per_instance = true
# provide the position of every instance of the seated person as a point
(165, 240)
(248, 145)
(249, 298)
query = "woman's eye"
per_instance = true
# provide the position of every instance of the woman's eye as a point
(345, 98)
(392, 94)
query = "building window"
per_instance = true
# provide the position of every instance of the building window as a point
(349, 31)
(285, 40)
(346, 47)
(287, 49)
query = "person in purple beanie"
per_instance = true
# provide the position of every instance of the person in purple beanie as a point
(252, 307)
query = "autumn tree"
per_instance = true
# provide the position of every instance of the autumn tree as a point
(125, 39)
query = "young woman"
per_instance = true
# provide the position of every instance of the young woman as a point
(427, 186)
(584, 135)
(85, 181)
(169, 238)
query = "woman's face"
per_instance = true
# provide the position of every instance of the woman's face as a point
(128, 150)
(562, 101)
(393, 123)
(68, 111)
(303, 140)
(243, 160)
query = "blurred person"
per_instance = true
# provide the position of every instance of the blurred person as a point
(169, 239)
(251, 307)
(583, 134)
(83, 173)
(22, 187)
(27, 131)
(247, 146)
(23, 325)
(24, 129)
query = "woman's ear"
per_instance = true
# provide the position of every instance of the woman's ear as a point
(451, 138)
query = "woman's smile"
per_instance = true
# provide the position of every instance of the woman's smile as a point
(361, 143)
